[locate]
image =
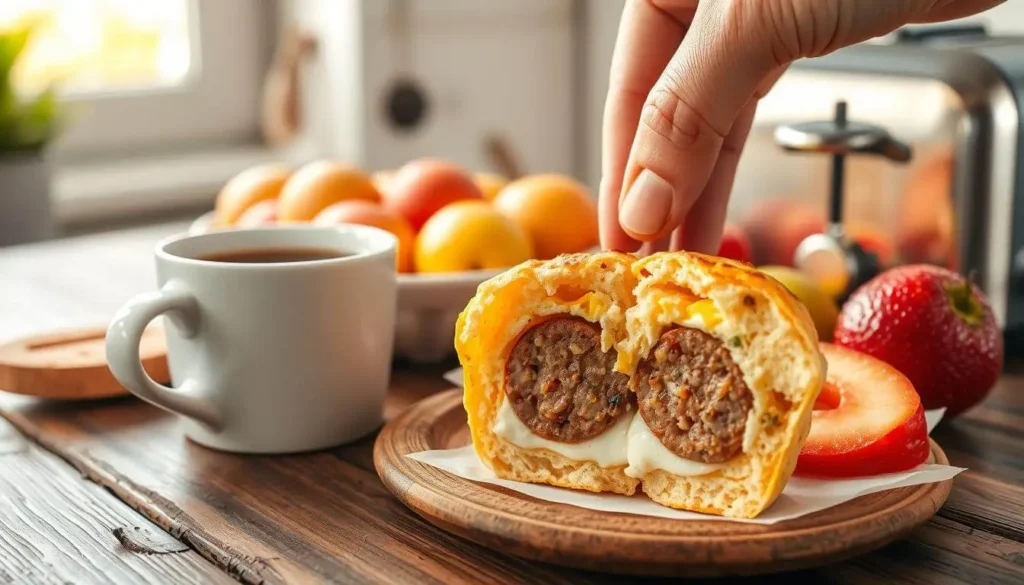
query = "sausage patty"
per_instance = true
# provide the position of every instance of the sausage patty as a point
(693, 397)
(560, 383)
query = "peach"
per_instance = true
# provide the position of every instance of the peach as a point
(557, 212)
(422, 187)
(373, 214)
(470, 235)
(246, 189)
(490, 184)
(262, 213)
(319, 184)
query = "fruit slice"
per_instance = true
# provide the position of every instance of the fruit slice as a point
(868, 420)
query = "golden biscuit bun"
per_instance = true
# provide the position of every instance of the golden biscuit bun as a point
(771, 338)
(595, 287)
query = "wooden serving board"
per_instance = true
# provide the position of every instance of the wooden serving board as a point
(566, 535)
(72, 364)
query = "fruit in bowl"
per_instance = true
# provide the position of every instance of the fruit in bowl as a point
(380, 179)
(422, 187)
(490, 184)
(258, 185)
(451, 236)
(373, 214)
(934, 326)
(259, 214)
(557, 213)
(470, 235)
(319, 184)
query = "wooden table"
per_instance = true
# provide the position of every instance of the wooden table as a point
(110, 492)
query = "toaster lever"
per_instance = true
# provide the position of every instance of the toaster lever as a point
(841, 137)
(837, 263)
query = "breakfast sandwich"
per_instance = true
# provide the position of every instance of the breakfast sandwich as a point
(545, 389)
(726, 369)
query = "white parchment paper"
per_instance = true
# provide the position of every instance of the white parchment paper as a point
(801, 496)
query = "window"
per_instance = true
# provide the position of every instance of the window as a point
(163, 96)
(97, 46)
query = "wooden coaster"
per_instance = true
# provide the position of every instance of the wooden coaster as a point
(72, 365)
(510, 522)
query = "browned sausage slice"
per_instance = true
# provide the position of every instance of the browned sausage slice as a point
(693, 397)
(560, 383)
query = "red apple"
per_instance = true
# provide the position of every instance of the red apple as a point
(422, 187)
(868, 420)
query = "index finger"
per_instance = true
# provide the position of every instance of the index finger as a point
(648, 37)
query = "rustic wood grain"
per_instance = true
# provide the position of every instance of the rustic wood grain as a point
(326, 517)
(56, 528)
(627, 544)
(321, 517)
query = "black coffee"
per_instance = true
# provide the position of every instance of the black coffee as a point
(275, 255)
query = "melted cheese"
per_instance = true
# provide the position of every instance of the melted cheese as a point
(607, 449)
(645, 453)
(706, 311)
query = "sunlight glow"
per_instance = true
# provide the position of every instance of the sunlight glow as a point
(102, 45)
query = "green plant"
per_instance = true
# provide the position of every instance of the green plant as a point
(26, 124)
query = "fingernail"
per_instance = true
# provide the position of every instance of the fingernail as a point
(648, 201)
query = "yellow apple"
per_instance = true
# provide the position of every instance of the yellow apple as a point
(470, 235)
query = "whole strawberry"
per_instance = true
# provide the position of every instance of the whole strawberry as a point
(934, 326)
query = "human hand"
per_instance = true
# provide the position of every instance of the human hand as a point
(685, 80)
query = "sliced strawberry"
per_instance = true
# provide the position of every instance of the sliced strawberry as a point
(876, 426)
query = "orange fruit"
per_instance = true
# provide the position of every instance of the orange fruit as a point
(490, 184)
(247, 188)
(557, 212)
(319, 184)
(470, 235)
(423, 186)
(373, 214)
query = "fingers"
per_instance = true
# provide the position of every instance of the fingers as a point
(648, 36)
(702, 228)
(686, 118)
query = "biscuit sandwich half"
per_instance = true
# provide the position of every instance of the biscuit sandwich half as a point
(545, 396)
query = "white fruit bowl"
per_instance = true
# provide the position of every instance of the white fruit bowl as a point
(428, 306)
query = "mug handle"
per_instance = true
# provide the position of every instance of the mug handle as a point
(124, 335)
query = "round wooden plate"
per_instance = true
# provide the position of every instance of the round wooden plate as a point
(72, 364)
(511, 522)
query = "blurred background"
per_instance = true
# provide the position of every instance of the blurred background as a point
(165, 100)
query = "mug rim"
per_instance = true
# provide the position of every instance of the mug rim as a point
(385, 243)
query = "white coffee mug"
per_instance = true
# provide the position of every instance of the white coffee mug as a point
(268, 357)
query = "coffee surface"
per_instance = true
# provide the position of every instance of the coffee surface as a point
(275, 255)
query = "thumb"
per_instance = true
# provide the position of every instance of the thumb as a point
(688, 114)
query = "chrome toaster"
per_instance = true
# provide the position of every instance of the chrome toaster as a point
(954, 96)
